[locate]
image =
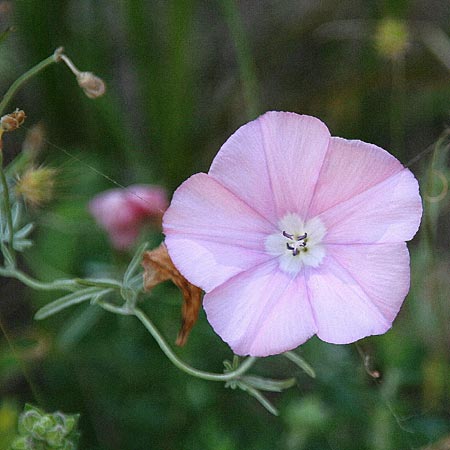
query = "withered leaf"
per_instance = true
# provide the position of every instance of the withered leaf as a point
(158, 267)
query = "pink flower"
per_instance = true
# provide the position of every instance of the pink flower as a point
(123, 212)
(293, 233)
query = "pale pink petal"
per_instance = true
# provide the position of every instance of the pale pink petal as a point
(149, 200)
(111, 209)
(273, 162)
(351, 167)
(211, 235)
(261, 312)
(381, 270)
(343, 311)
(124, 238)
(388, 212)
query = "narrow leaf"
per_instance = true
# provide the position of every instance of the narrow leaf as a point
(300, 362)
(99, 282)
(260, 397)
(21, 244)
(15, 213)
(66, 301)
(7, 255)
(267, 384)
(134, 264)
(24, 231)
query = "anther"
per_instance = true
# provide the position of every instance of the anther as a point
(295, 242)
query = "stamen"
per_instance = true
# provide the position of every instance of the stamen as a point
(295, 242)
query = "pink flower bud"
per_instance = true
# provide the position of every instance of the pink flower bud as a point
(123, 212)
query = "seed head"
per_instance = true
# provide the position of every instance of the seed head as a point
(11, 122)
(36, 185)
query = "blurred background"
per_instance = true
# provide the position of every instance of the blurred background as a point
(181, 76)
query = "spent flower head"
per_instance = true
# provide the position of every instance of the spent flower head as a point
(36, 185)
(12, 121)
(293, 233)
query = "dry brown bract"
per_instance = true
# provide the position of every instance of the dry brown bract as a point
(158, 267)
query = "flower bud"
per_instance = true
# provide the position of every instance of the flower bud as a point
(92, 85)
(123, 212)
(41, 431)
(36, 185)
(11, 122)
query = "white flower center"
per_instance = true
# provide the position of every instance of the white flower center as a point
(297, 243)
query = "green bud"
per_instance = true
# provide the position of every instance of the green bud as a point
(21, 443)
(56, 437)
(40, 431)
(28, 420)
(41, 427)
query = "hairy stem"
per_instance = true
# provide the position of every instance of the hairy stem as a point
(246, 364)
(68, 285)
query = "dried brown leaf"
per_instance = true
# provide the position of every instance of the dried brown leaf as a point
(158, 267)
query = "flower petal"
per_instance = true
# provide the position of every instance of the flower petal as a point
(261, 312)
(348, 307)
(384, 276)
(211, 235)
(388, 212)
(351, 167)
(273, 162)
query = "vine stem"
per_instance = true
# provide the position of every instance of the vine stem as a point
(148, 324)
(69, 285)
(55, 57)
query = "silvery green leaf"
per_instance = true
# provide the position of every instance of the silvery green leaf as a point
(99, 282)
(267, 384)
(300, 362)
(24, 231)
(260, 397)
(134, 264)
(21, 244)
(15, 213)
(7, 255)
(66, 301)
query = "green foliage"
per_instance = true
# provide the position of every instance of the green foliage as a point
(41, 431)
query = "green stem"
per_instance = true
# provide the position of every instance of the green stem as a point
(247, 363)
(68, 285)
(7, 205)
(26, 76)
